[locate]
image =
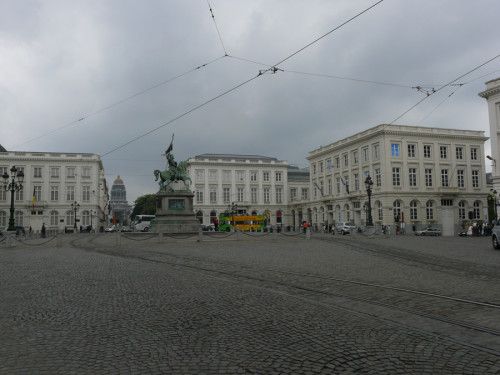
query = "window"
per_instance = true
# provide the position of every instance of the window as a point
(70, 193)
(411, 150)
(54, 172)
(20, 194)
(444, 177)
(199, 175)
(70, 218)
(253, 176)
(443, 152)
(460, 153)
(366, 154)
(380, 212)
(54, 193)
(376, 151)
(199, 195)
(413, 210)
(85, 172)
(70, 172)
(3, 219)
(37, 172)
(293, 194)
(278, 195)
(266, 195)
(460, 178)
(429, 210)
(461, 210)
(337, 162)
(314, 168)
(338, 185)
(475, 179)
(226, 175)
(37, 193)
(476, 212)
(279, 175)
(428, 177)
(85, 218)
(330, 186)
(86, 193)
(396, 207)
(356, 181)
(329, 164)
(3, 194)
(213, 194)
(473, 153)
(19, 219)
(240, 195)
(253, 194)
(226, 194)
(305, 193)
(396, 181)
(378, 177)
(240, 176)
(265, 176)
(212, 176)
(320, 167)
(427, 151)
(412, 172)
(355, 157)
(346, 160)
(394, 149)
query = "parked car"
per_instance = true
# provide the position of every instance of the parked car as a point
(207, 228)
(345, 227)
(428, 232)
(495, 235)
(113, 228)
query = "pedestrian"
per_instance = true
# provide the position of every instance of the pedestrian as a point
(44, 231)
(389, 229)
(305, 226)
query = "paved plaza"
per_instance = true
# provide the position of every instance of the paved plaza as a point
(273, 304)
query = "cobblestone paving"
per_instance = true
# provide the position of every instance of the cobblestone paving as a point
(114, 310)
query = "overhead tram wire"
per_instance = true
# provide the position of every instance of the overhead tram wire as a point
(120, 102)
(272, 69)
(442, 87)
(217, 28)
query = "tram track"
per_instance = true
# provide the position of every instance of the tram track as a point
(331, 291)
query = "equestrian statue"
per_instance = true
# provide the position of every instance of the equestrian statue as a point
(174, 172)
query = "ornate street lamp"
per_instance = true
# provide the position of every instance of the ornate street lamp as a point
(75, 206)
(368, 185)
(13, 186)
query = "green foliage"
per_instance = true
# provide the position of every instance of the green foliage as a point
(144, 205)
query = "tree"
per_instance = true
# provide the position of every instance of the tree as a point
(144, 205)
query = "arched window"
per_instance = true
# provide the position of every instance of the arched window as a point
(461, 210)
(3, 219)
(213, 216)
(278, 217)
(380, 211)
(54, 218)
(19, 219)
(199, 216)
(70, 218)
(347, 212)
(85, 218)
(429, 210)
(414, 210)
(396, 206)
(477, 210)
(254, 213)
(339, 214)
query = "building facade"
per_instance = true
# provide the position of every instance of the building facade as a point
(52, 182)
(422, 177)
(251, 184)
(492, 95)
(119, 207)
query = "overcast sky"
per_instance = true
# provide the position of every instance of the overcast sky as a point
(93, 75)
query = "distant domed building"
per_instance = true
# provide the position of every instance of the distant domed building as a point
(120, 208)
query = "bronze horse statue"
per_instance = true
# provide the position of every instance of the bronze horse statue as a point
(173, 174)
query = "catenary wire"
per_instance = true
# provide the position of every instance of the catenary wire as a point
(217, 28)
(272, 68)
(121, 101)
(442, 87)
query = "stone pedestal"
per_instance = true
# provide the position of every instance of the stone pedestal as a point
(174, 213)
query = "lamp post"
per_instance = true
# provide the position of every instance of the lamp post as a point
(75, 206)
(92, 212)
(13, 186)
(234, 210)
(368, 185)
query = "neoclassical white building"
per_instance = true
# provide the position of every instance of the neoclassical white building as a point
(54, 181)
(422, 177)
(257, 185)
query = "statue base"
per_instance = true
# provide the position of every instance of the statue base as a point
(174, 213)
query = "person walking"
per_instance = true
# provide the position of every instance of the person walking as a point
(44, 231)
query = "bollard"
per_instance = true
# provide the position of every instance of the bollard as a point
(308, 233)
(238, 236)
(9, 240)
(200, 235)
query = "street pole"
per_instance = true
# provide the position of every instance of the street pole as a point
(13, 186)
